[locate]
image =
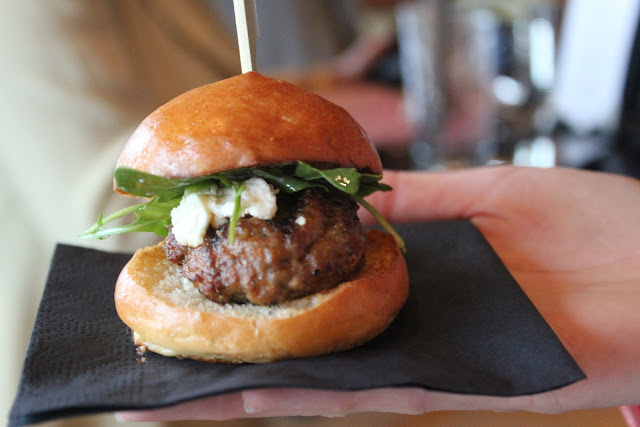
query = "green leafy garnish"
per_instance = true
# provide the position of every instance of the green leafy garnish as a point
(284, 182)
(237, 211)
(166, 194)
(143, 184)
(381, 220)
(347, 180)
(153, 216)
(344, 179)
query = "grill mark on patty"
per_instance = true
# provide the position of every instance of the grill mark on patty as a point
(272, 261)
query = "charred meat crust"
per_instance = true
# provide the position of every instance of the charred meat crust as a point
(272, 261)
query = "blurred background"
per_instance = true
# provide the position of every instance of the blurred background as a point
(437, 84)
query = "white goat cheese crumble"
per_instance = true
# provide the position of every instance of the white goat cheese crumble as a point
(214, 206)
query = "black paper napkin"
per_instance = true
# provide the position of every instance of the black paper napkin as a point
(467, 327)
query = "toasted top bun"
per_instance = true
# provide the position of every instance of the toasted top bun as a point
(169, 316)
(246, 120)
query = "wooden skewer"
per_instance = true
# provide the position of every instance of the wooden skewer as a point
(247, 28)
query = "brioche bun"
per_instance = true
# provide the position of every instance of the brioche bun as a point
(253, 120)
(169, 316)
(246, 120)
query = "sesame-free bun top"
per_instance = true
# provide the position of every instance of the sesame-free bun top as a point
(246, 120)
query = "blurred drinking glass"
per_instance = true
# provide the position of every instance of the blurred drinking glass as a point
(475, 75)
(526, 78)
(447, 69)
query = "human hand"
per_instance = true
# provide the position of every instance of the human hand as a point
(570, 239)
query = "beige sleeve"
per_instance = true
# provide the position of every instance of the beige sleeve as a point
(77, 77)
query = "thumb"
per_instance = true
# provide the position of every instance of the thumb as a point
(427, 196)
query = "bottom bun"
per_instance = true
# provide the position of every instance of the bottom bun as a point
(168, 315)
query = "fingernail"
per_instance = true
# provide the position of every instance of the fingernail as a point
(336, 415)
(248, 409)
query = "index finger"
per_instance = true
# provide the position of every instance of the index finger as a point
(428, 196)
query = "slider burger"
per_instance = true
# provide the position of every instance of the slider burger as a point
(255, 185)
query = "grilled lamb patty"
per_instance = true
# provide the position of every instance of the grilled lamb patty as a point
(314, 242)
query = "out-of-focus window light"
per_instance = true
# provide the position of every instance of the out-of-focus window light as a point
(539, 152)
(542, 54)
(592, 62)
(509, 91)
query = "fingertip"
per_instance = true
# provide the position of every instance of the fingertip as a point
(128, 416)
(218, 408)
(298, 402)
(429, 196)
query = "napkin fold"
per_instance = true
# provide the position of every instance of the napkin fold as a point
(467, 327)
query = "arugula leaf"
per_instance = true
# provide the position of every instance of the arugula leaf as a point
(286, 183)
(143, 184)
(370, 177)
(153, 216)
(346, 180)
(237, 211)
(383, 222)
(166, 194)
(367, 190)
(174, 193)
(90, 233)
